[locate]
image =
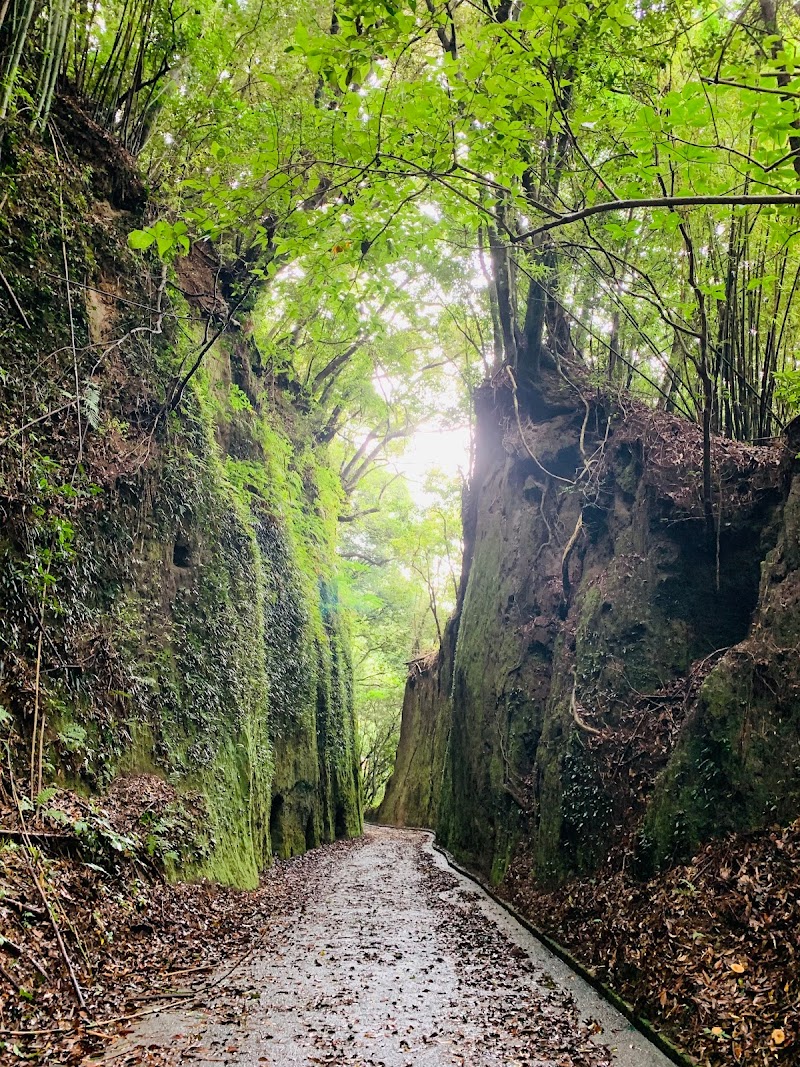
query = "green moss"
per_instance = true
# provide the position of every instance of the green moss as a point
(191, 571)
(253, 703)
(724, 774)
(623, 640)
(414, 792)
(504, 850)
(138, 755)
(238, 850)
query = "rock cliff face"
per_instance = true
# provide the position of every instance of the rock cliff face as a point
(614, 686)
(736, 764)
(166, 568)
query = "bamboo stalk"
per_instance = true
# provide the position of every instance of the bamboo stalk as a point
(53, 66)
(54, 16)
(36, 709)
(58, 61)
(4, 11)
(20, 36)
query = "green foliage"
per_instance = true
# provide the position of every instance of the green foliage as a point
(100, 843)
(172, 838)
(238, 399)
(73, 737)
(170, 239)
(413, 154)
(378, 737)
(788, 389)
(399, 566)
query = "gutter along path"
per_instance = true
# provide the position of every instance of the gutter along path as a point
(394, 960)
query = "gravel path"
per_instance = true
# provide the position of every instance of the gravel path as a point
(391, 959)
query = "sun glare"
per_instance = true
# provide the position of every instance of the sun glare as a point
(433, 450)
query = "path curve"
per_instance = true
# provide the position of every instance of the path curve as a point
(392, 959)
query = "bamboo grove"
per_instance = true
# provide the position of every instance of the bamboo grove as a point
(116, 58)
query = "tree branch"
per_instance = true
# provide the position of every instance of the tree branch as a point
(672, 202)
(751, 88)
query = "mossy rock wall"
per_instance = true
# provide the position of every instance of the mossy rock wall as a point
(167, 576)
(553, 653)
(414, 791)
(737, 762)
(248, 696)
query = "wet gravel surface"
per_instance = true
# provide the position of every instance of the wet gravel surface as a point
(389, 958)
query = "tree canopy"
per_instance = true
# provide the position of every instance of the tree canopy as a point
(620, 178)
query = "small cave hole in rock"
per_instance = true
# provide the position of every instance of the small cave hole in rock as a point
(340, 824)
(181, 554)
(311, 832)
(276, 825)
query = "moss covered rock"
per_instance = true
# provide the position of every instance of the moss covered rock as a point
(167, 560)
(591, 592)
(736, 765)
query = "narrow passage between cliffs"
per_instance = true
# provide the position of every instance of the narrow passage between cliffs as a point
(389, 958)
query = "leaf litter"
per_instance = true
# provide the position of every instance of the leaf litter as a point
(134, 941)
(389, 962)
(709, 950)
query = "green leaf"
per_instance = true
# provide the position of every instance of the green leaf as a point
(140, 239)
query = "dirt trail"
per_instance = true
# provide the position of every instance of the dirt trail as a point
(391, 959)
